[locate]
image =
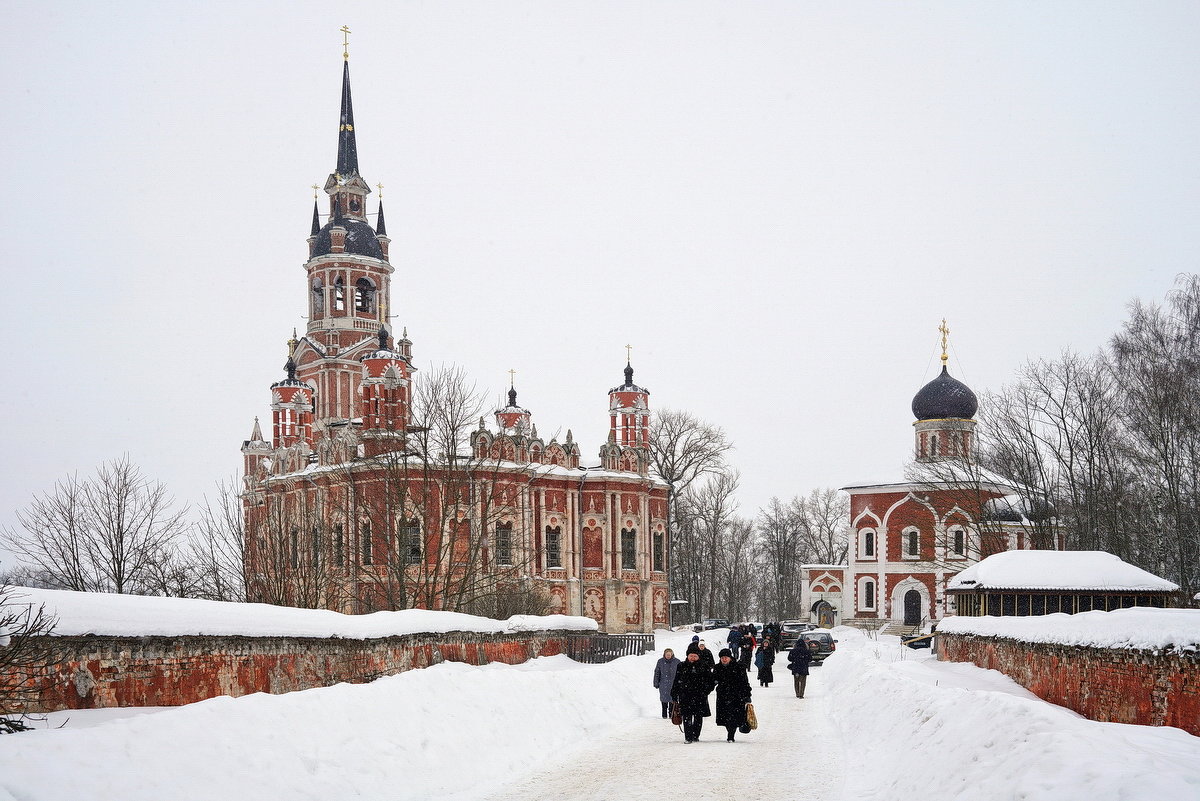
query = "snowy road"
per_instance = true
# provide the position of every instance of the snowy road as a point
(794, 753)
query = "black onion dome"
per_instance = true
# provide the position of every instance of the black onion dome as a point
(945, 397)
(360, 239)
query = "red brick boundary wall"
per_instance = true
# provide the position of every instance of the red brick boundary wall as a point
(109, 671)
(1109, 684)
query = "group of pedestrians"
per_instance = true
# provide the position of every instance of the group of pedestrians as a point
(688, 683)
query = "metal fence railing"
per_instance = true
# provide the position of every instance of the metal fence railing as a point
(594, 649)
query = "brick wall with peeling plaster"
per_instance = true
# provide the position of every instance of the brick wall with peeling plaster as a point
(1117, 685)
(102, 671)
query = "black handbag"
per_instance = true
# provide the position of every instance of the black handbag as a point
(676, 715)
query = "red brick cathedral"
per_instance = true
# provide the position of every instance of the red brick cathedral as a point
(371, 493)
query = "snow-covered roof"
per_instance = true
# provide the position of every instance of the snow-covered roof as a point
(1140, 627)
(1058, 570)
(81, 613)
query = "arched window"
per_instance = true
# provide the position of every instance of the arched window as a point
(553, 546)
(913, 542)
(659, 552)
(364, 543)
(868, 544)
(960, 542)
(868, 594)
(628, 549)
(933, 445)
(504, 543)
(364, 296)
(408, 541)
(339, 294)
(318, 297)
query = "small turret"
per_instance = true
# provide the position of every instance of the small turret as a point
(512, 419)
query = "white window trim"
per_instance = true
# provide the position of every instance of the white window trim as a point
(862, 594)
(862, 545)
(951, 535)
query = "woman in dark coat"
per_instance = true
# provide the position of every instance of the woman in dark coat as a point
(733, 693)
(798, 659)
(706, 656)
(664, 677)
(747, 653)
(693, 682)
(765, 662)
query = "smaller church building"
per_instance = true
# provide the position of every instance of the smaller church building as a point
(910, 535)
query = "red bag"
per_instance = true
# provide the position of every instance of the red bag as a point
(676, 715)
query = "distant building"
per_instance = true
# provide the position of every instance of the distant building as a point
(1024, 583)
(910, 535)
(346, 509)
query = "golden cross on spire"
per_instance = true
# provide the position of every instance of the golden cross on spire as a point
(512, 378)
(945, 329)
(380, 190)
(315, 188)
(345, 42)
(629, 353)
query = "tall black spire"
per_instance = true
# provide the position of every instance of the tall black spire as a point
(347, 162)
(316, 225)
(380, 227)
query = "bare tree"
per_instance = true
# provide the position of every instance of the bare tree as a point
(823, 514)
(218, 545)
(25, 657)
(99, 535)
(682, 450)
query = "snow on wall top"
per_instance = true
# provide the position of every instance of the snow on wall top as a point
(1057, 570)
(1140, 628)
(144, 616)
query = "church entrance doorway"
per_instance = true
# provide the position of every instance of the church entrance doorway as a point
(912, 608)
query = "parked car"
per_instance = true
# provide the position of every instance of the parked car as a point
(789, 630)
(821, 643)
(715, 623)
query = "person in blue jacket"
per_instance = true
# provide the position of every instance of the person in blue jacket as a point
(799, 659)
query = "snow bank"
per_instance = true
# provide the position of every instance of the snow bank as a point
(908, 736)
(418, 735)
(1140, 628)
(1058, 570)
(143, 616)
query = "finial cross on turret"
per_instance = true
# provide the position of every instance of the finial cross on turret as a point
(629, 353)
(345, 42)
(512, 378)
(945, 329)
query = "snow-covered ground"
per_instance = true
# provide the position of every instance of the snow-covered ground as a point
(948, 731)
(144, 615)
(879, 722)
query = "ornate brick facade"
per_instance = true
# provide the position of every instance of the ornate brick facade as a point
(354, 504)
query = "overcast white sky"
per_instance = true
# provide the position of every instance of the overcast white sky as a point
(774, 202)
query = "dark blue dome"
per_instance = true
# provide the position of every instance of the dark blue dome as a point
(360, 239)
(944, 397)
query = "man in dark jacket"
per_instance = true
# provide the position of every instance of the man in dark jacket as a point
(693, 682)
(798, 660)
(706, 656)
(733, 693)
(735, 641)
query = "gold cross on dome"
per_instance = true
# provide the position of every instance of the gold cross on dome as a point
(512, 378)
(380, 190)
(629, 353)
(315, 188)
(945, 329)
(345, 41)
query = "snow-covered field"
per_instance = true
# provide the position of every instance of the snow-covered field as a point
(878, 723)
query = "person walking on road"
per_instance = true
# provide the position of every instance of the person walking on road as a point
(733, 693)
(706, 656)
(765, 662)
(747, 652)
(664, 677)
(798, 660)
(735, 641)
(693, 682)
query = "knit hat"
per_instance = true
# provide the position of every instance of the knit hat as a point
(696, 638)
(726, 652)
